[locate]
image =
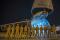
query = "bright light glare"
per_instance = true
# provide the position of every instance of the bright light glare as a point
(40, 22)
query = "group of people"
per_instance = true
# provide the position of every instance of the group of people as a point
(26, 31)
(40, 31)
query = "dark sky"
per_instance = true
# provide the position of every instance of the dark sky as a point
(17, 10)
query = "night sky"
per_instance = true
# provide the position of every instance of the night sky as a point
(17, 10)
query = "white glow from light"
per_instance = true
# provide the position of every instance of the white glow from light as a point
(40, 22)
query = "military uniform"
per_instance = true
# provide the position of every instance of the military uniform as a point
(53, 31)
(29, 32)
(41, 30)
(21, 31)
(25, 31)
(37, 30)
(12, 32)
(45, 30)
(8, 31)
(33, 31)
(17, 31)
